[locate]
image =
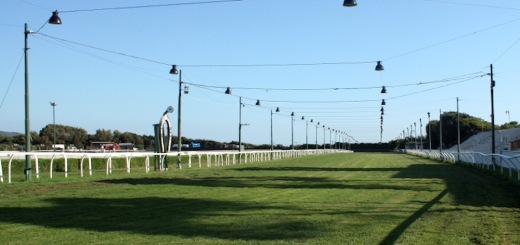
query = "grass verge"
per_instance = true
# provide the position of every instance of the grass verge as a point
(361, 198)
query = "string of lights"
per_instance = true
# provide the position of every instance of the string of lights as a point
(214, 89)
(445, 80)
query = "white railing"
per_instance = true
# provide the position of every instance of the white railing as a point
(488, 161)
(213, 158)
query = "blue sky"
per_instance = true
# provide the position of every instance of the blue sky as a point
(319, 58)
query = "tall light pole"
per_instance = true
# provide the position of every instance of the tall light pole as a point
(55, 19)
(174, 71)
(317, 135)
(440, 131)
(271, 130)
(330, 138)
(458, 131)
(240, 124)
(54, 104)
(420, 130)
(429, 131)
(306, 133)
(324, 137)
(415, 132)
(508, 119)
(492, 112)
(292, 131)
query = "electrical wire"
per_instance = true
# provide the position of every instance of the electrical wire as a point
(11, 82)
(150, 6)
(465, 76)
(474, 5)
(506, 51)
(105, 50)
(451, 40)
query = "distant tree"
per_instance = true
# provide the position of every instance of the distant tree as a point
(512, 124)
(103, 135)
(469, 126)
(66, 135)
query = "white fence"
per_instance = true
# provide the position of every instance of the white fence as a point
(213, 158)
(488, 161)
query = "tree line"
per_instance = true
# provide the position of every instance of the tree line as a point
(469, 126)
(78, 137)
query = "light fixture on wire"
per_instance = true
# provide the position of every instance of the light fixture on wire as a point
(349, 3)
(383, 90)
(174, 70)
(277, 109)
(55, 19)
(258, 102)
(228, 90)
(379, 66)
(383, 102)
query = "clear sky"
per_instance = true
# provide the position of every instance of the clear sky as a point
(313, 58)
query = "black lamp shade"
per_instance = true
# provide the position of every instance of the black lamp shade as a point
(277, 109)
(228, 90)
(174, 70)
(55, 19)
(258, 102)
(379, 67)
(349, 3)
(383, 102)
(383, 90)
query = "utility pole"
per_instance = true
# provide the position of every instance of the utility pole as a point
(440, 131)
(492, 112)
(458, 131)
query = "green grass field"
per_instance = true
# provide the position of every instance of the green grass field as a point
(355, 198)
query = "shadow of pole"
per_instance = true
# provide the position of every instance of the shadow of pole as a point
(398, 231)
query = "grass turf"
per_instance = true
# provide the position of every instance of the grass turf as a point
(360, 198)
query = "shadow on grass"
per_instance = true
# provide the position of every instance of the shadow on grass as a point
(295, 168)
(465, 186)
(163, 216)
(262, 182)
(392, 237)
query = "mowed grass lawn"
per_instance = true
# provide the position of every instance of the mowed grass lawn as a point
(360, 198)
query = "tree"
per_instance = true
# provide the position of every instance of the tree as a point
(103, 136)
(512, 124)
(469, 126)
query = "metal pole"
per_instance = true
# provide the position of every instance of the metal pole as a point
(27, 114)
(179, 121)
(492, 113)
(307, 134)
(440, 131)
(271, 130)
(415, 132)
(458, 131)
(317, 135)
(324, 137)
(292, 131)
(429, 131)
(420, 130)
(240, 125)
(54, 104)
(330, 139)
